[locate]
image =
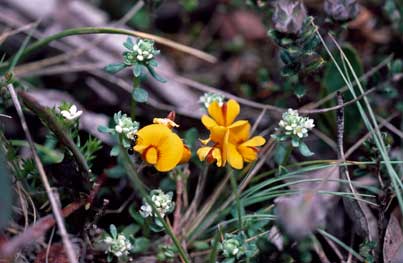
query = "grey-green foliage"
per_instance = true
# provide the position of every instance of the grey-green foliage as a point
(341, 10)
(298, 49)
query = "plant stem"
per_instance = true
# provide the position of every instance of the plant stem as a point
(287, 155)
(138, 184)
(106, 30)
(133, 103)
(237, 198)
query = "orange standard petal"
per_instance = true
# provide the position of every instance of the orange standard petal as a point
(159, 146)
(223, 115)
(186, 154)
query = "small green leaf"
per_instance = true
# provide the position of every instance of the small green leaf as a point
(140, 95)
(113, 230)
(128, 44)
(201, 245)
(130, 230)
(300, 91)
(137, 69)
(153, 63)
(104, 129)
(141, 244)
(133, 211)
(115, 151)
(115, 172)
(304, 150)
(114, 68)
(155, 75)
(295, 141)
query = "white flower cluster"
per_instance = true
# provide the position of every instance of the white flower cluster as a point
(144, 50)
(209, 98)
(162, 202)
(125, 125)
(119, 246)
(231, 247)
(294, 125)
(72, 113)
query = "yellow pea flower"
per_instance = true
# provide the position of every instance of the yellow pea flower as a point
(231, 139)
(161, 147)
(241, 148)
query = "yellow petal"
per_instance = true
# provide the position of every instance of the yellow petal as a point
(224, 146)
(165, 121)
(202, 152)
(239, 131)
(205, 141)
(255, 141)
(170, 152)
(216, 154)
(216, 113)
(234, 157)
(150, 155)
(217, 134)
(208, 122)
(185, 155)
(231, 111)
(249, 154)
(151, 135)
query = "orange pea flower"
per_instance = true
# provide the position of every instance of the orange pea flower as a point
(231, 139)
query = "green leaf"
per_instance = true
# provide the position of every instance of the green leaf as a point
(136, 215)
(155, 75)
(300, 91)
(113, 230)
(104, 129)
(131, 230)
(128, 44)
(304, 150)
(295, 141)
(332, 79)
(141, 244)
(115, 150)
(153, 63)
(114, 68)
(140, 95)
(201, 245)
(116, 172)
(6, 193)
(190, 137)
(137, 69)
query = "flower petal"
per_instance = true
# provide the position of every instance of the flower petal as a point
(234, 157)
(170, 152)
(249, 154)
(216, 113)
(152, 134)
(202, 152)
(208, 122)
(239, 131)
(216, 154)
(255, 141)
(186, 154)
(150, 155)
(231, 111)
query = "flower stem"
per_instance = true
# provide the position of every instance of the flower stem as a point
(237, 199)
(133, 103)
(106, 30)
(138, 185)
(287, 155)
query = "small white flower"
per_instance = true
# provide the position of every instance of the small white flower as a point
(140, 58)
(292, 124)
(209, 98)
(119, 246)
(162, 202)
(72, 113)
